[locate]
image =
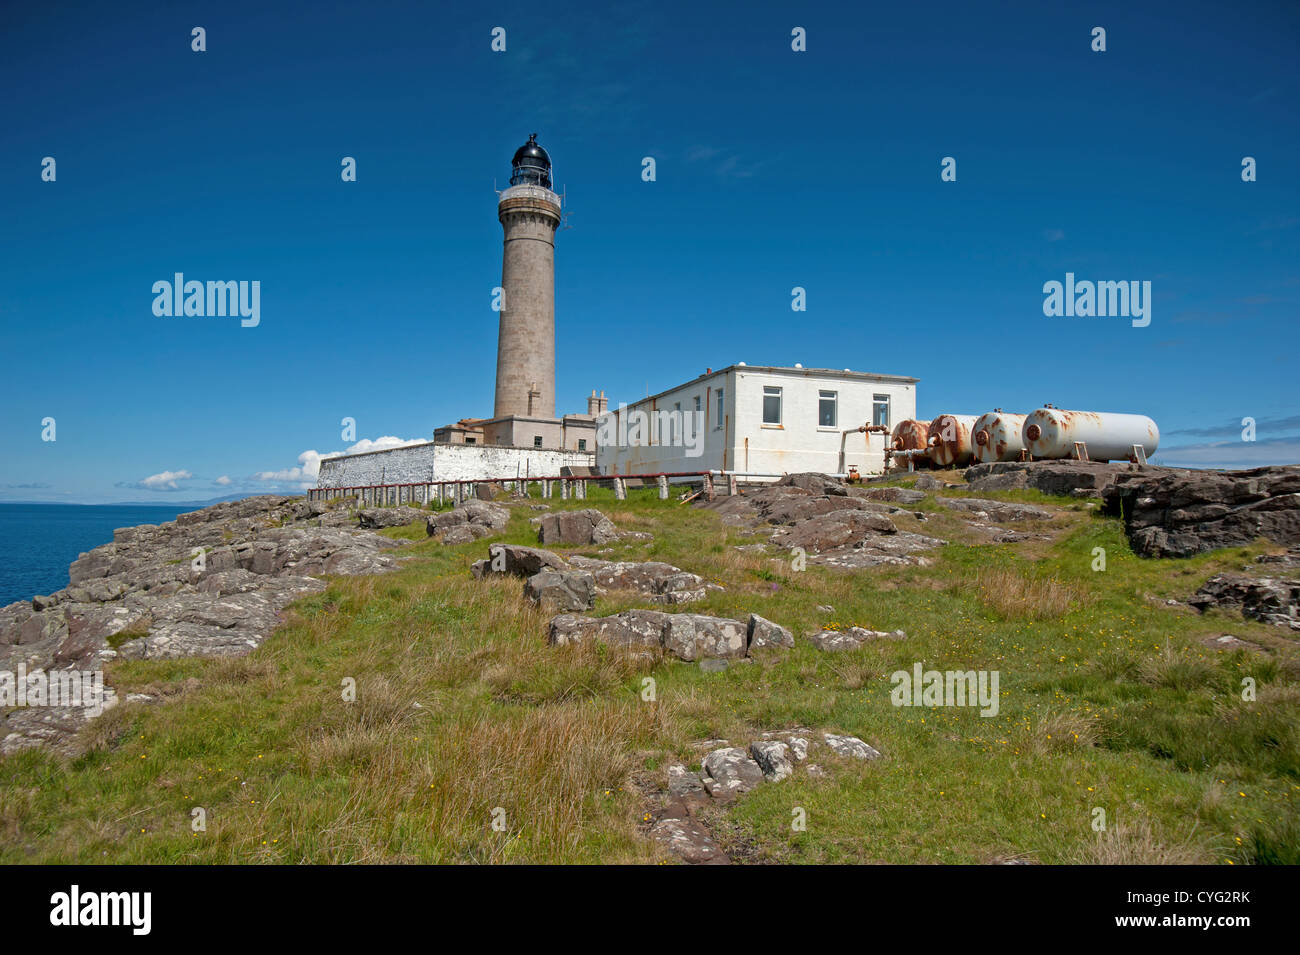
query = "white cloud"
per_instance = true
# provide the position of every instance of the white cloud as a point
(165, 481)
(308, 469)
(224, 480)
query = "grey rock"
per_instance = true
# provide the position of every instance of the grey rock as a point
(377, 517)
(1271, 600)
(997, 511)
(562, 589)
(729, 772)
(587, 526)
(773, 758)
(850, 746)
(762, 632)
(851, 639)
(691, 636)
(1173, 513)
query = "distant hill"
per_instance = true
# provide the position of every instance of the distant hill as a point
(195, 504)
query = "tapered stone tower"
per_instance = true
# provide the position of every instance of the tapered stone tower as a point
(530, 213)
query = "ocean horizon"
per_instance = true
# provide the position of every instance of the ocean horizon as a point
(39, 540)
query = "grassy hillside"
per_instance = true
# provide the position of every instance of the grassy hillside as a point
(1108, 699)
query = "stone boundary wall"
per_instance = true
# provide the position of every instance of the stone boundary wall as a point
(418, 463)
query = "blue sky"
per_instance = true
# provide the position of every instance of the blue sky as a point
(775, 169)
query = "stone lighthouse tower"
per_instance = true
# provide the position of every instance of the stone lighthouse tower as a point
(530, 213)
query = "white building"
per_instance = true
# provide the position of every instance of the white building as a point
(758, 420)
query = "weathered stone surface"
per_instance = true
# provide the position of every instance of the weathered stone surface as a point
(562, 589)
(374, 518)
(851, 639)
(830, 531)
(631, 628)
(464, 534)
(1272, 600)
(587, 526)
(896, 495)
(469, 521)
(813, 483)
(687, 636)
(693, 636)
(1180, 513)
(729, 772)
(762, 632)
(850, 746)
(1051, 477)
(684, 836)
(661, 582)
(998, 511)
(521, 561)
(773, 758)
(844, 529)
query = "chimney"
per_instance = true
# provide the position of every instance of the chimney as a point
(596, 405)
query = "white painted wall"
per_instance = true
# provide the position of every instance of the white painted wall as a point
(740, 441)
(445, 462)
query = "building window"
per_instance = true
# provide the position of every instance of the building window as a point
(537, 440)
(827, 409)
(718, 426)
(469, 440)
(582, 444)
(771, 404)
(880, 411)
(698, 402)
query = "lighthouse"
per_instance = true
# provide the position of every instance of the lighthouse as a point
(523, 415)
(529, 211)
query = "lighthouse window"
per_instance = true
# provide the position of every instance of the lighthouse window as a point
(880, 411)
(771, 405)
(826, 409)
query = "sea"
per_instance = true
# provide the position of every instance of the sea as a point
(39, 541)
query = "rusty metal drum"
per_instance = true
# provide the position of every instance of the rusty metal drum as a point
(910, 435)
(1052, 433)
(997, 437)
(951, 440)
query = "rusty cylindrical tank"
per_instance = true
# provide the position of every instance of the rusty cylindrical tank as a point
(951, 442)
(996, 437)
(910, 435)
(1052, 432)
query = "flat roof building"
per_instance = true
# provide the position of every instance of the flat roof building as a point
(761, 420)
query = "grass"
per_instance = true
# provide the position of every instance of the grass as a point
(468, 739)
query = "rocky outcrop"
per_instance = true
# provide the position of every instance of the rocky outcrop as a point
(687, 636)
(728, 772)
(660, 582)
(1000, 512)
(467, 522)
(833, 523)
(562, 589)
(1273, 600)
(850, 639)
(518, 561)
(1180, 513)
(213, 582)
(1063, 478)
(374, 518)
(762, 632)
(587, 526)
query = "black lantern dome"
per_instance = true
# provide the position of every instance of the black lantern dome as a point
(531, 165)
